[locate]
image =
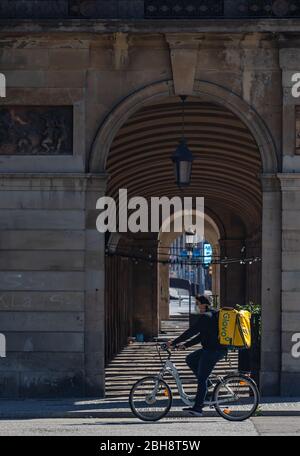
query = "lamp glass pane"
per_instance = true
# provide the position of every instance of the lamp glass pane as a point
(189, 239)
(184, 172)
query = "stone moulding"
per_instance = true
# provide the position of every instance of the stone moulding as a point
(53, 181)
(148, 9)
(289, 181)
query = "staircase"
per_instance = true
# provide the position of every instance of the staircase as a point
(138, 360)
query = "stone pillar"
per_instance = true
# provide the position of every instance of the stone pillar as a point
(253, 271)
(145, 296)
(94, 319)
(163, 292)
(271, 286)
(216, 272)
(290, 316)
(233, 276)
(290, 186)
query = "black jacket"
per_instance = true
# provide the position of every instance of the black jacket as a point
(205, 330)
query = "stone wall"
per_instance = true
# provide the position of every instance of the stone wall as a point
(48, 283)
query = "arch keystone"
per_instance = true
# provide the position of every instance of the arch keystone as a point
(184, 56)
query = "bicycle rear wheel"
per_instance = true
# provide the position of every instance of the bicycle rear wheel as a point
(150, 399)
(236, 397)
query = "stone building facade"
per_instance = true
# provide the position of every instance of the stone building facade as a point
(92, 104)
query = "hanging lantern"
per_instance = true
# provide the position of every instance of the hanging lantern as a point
(183, 157)
(190, 240)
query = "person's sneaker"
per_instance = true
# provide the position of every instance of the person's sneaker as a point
(192, 411)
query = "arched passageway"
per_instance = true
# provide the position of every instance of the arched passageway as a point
(226, 172)
(211, 234)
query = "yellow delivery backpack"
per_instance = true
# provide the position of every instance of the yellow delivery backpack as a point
(234, 328)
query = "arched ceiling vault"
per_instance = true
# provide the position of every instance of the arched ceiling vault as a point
(227, 160)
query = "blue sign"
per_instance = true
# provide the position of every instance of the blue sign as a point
(196, 253)
(207, 253)
(184, 254)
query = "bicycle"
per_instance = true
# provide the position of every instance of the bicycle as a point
(235, 396)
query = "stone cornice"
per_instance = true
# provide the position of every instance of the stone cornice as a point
(270, 182)
(148, 9)
(289, 181)
(53, 181)
(90, 26)
(181, 40)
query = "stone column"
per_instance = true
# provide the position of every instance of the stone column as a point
(253, 271)
(290, 316)
(145, 293)
(271, 286)
(163, 292)
(290, 186)
(94, 319)
(215, 272)
(232, 276)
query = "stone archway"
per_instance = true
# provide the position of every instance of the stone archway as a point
(271, 213)
(207, 91)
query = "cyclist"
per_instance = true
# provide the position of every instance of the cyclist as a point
(202, 361)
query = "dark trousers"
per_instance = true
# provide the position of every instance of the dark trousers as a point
(202, 363)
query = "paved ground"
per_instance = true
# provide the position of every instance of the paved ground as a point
(178, 427)
(114, 409)
(279, 416)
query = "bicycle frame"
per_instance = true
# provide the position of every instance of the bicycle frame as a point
(169, 367)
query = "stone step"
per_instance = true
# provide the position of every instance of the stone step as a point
(118, 369)
(140, 359)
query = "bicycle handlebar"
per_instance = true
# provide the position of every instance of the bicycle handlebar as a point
(164, 347)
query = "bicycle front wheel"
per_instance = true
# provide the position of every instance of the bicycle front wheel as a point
(236, 397)
(150, 399)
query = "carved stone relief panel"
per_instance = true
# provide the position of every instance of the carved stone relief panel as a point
(36, 130)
